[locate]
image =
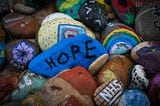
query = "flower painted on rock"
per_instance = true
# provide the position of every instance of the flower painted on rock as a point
(22, 53)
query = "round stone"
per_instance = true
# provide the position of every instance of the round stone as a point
(134, 97)
(93, 15)
(109, 93)
(147, 23)
(154, 90)
(147, 54)
(58, 29)
(20, 52)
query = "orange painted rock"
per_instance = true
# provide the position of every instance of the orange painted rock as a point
(20, 26)
(73, 87)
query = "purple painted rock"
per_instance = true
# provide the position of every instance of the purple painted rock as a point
(147, 54)
(20, 52)
(154, 90)
(147, 23)
(20, 26)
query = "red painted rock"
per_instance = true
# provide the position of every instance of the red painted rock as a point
(20, 52)
(20, 26)
(119, 65)
(73, 87)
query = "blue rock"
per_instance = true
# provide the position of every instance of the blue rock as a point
(2, 57)
(68, 53)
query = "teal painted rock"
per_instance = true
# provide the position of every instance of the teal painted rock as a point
(2, 57)
(29, 84)
(80, 50)
(134, 97)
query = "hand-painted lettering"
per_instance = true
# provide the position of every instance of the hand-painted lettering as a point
(50, 62)
(87, 49)
(63, 58)
(75, 49)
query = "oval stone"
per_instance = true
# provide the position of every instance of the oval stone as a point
(109, 93)
(154, 90)
(147, 23)
(58, 29)
(20, 52)
(71, 87)
(20, 26)
(134, 97)
(147, 54)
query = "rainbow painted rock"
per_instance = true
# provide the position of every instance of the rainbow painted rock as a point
(73, 87)
(29, 83)
(139, 79)
(119, 39)
(147, 23)
(2, 57)
(19, 53)
(20, 26)
(154, 90)
(147, 54)
(109, 93)
(70, 7)
(94, 15)
(134, 97)
(58, 29)
(80, 50)
(124, 10)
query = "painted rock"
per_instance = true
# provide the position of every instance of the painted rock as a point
(33, 100)
(58, 29)
(20, 26)
(109, 93)
(2, 34)
(134, 97)
(2, 57)
(70, 7)
(139, 79)
(117, 64)
(67, 54)
(29, 83)
(93, 15)
(72, 87)
(4, 8)
(98, 63)
(147, 23)
(20, 52)
(147, 54)
(21, 8)
(154, 90)
(118, 38)
(54, 16)
(124, 10)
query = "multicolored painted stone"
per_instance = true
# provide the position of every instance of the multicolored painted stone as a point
(80, 50)
(147, 54)
(58, 29)
(147, 23)
(154, 90)
(98, 63)
(109, 93)
(118, 38)
(54, 16)
(72, 87)
(94, 15)
(4, 8)
(118, 66)
(124, 10)
(134, 97)
(70, 7)
(19, 53)
(20, 26)
(139, 79)
(2, 57)
(29, 83)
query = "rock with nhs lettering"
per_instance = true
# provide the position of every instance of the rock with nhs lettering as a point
(134, 97)
(58, 29)
(73, 87)
(20, 26)
(19, 53)
(94, 15)
(109, 93)
(147, 23)
(80, 50)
